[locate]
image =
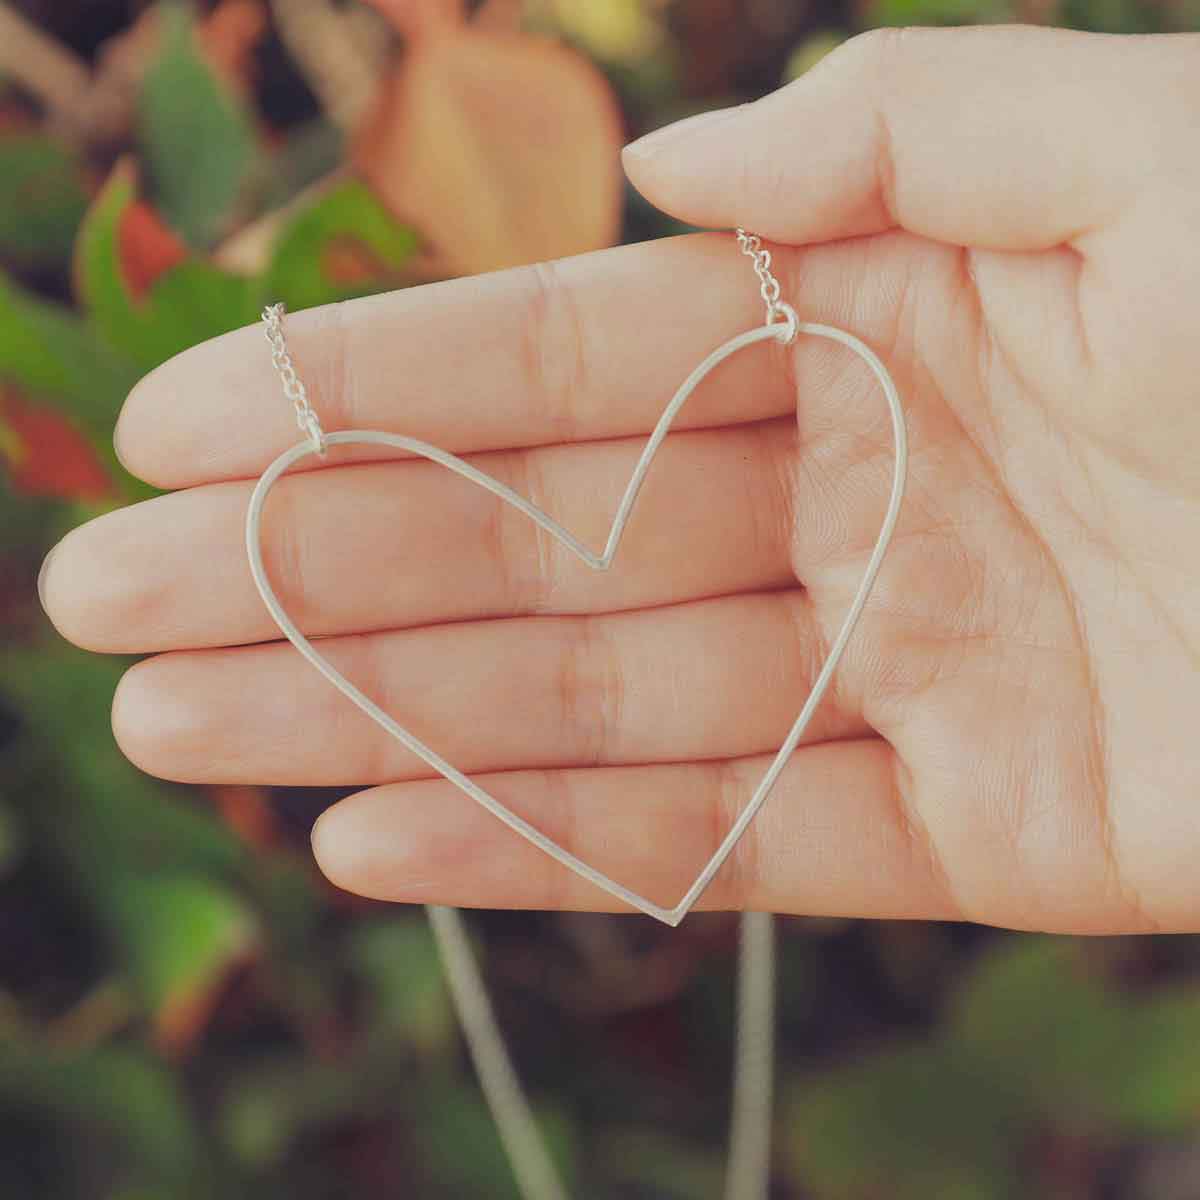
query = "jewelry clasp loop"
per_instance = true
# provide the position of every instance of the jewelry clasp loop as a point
(782, 313)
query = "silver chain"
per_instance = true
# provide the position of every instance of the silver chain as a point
(752, 248)
(293, 385)
(310, 424)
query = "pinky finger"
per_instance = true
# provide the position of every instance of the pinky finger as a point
(830, 840)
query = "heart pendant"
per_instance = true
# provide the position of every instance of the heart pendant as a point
(774, 331)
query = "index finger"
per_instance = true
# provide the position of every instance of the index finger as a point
(584, 348)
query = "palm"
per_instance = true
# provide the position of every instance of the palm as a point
(1023, 657)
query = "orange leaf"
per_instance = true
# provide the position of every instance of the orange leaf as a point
(54, 458)
(147, 247)
(501, 148)
(247, 811)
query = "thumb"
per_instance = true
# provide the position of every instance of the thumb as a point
(1003, 138)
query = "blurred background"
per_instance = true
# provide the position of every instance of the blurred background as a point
(186, 1010)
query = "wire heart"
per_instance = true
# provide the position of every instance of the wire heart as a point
(774, 330)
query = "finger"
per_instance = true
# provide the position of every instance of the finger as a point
(830, 839)
(713, 679)
(942, 132)
(590, 347)
(387, 545)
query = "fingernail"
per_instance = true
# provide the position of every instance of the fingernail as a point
(341, 845)
(118, 436)
(116, 442)
(139, 394)
(659, 139)
(41, 579)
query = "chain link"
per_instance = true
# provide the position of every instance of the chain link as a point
(293, 386)
(777, 310)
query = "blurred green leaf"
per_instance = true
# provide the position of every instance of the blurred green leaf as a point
(908, 1124)
(285, 891)
(105, 816)
(153, 871)
(99, 280)
(123, 1091)
(347, 216)
(309, 155)
(810, 52)
(1112, 16)
(1034, 1021)
(294, 974)
(464, 1150)
(13, 840)
(1183, 17)
(42, 200)
(274, 1102)
(49, 350)
(1035, 1024)
(197, 301)
(197, 140)
(1157, 1089)
(188, 304)
(671, 1168)
(256, 1127)
(25, 524)
(182, 933)
(939, 12)
(1034, 1040)
(399, 964)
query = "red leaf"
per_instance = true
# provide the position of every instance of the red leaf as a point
(147, 247)
(54, 458)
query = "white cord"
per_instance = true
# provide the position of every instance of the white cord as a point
(748, 1174)
(536, 1174)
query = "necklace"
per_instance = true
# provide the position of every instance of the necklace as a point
(748, 1171)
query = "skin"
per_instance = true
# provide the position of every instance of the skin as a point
(1011, 217)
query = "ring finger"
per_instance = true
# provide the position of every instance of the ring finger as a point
(712, 679)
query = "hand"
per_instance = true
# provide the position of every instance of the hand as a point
(1012, 219)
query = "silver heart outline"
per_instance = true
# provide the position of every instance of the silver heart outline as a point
(783, 332)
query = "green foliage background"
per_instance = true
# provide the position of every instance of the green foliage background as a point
(187, 1012)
